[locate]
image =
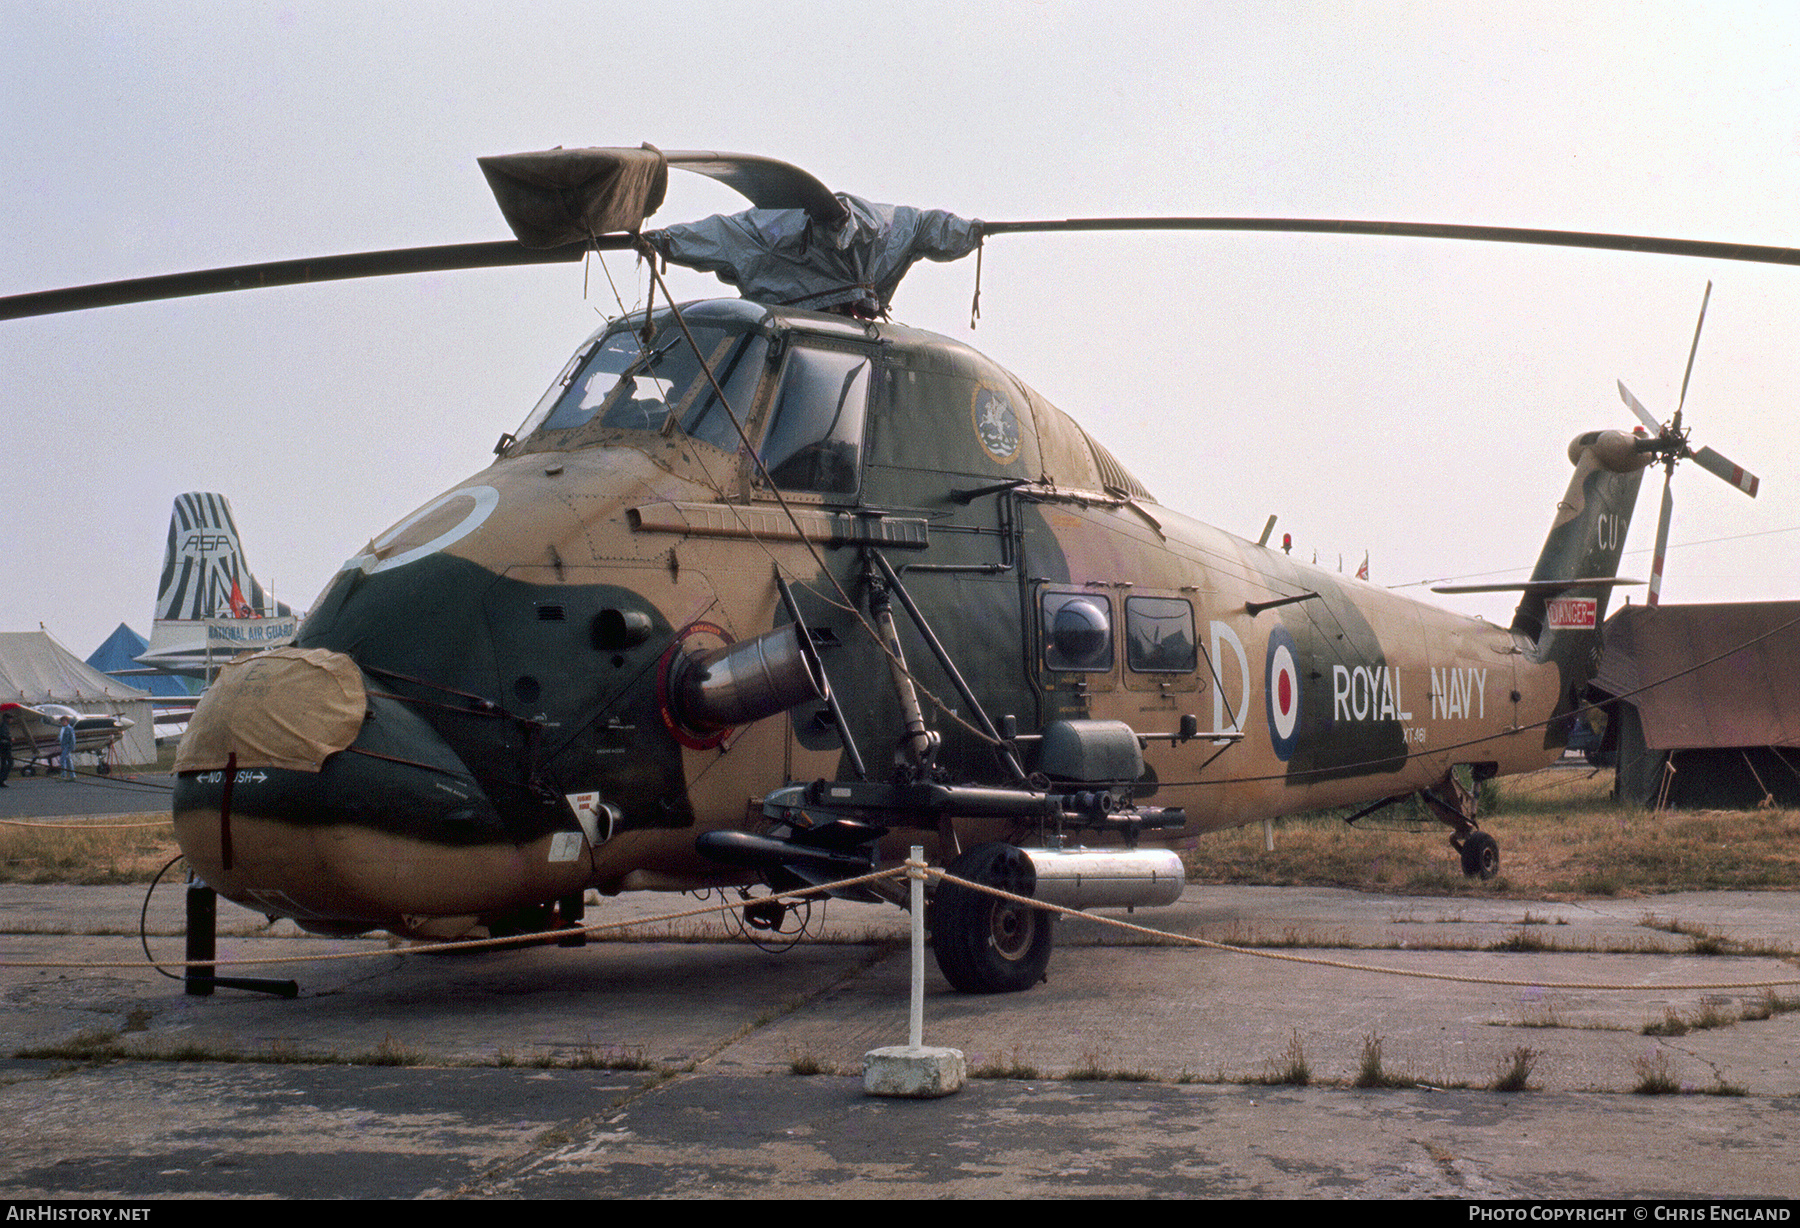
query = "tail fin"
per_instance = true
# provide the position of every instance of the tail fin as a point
(203, 566)
(1565, 601)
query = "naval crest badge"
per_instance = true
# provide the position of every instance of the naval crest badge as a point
(996, 425)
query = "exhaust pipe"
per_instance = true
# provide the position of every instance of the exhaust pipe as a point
(746, 681)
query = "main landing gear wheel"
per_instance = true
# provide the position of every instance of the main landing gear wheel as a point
(985, 944)
(1481, 855)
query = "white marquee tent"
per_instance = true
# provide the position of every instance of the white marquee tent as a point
(35, 669)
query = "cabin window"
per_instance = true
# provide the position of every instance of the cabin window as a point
(1159, 635)
(1077, 632)
(619, 381)
(815, 439)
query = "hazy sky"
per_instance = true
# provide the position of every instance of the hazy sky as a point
(1408, 398)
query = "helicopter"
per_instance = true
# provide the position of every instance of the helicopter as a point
(765, 590)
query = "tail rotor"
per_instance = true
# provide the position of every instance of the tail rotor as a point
(1668, 442)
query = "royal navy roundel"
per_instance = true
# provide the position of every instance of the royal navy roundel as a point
(1281, 678)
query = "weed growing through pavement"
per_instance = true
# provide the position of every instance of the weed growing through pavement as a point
(1521, 940)
(1371, 1073)
(1514, 1074)
(807, 1064)
(1710, 1015)
(1090, 1070)
(1291, 1069)
(1655, 1078)
(1009, 1067)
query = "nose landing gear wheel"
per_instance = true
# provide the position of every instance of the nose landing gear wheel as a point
(985, 944)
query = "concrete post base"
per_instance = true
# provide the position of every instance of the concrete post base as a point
(920, 1072)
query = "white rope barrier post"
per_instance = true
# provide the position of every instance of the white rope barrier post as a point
(912, 1070)
(916, 874)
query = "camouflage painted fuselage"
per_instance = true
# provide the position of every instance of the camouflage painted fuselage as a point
(515, 637)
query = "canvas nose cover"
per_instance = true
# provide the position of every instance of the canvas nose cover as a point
(314, 746)
(291, 708)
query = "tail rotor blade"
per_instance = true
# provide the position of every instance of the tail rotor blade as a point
(1720, 467)
(1642, 413)
(1692, 350)
(1662, 538)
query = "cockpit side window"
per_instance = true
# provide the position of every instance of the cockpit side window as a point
(737, 365)
(814, 442)
(1159, 635)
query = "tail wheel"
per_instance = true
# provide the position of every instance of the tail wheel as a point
(985, 944)
(1480, 856)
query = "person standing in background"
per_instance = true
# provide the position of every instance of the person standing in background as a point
(65, 737)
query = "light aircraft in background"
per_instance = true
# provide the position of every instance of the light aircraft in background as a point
(35, 731)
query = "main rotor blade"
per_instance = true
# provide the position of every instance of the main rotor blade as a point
(770, 183)
(1418, 230)
(1642, 413)
(767, 183)
(1662, 538)
(1718, 466)
(445, 258)
(1692, 350)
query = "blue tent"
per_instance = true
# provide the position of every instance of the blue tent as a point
(118, 657)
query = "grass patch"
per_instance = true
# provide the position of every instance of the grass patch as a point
(1712, 1014)
(806, 1064)
(1009, 1067)
(1089, 1070)
(105, 852)
(613, 1057)
(1770, 1005)
(1514, 1073)
(1521, 940)
(1654, 1078)
(1702, 941)
(389, 1052)
(1291, 1069)
(1709, 944)
(1560, 835)
(94, 1045)
(1544, 1016)
(104, 1045)
(1371, 1073)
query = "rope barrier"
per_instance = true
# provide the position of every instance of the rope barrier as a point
(1345, 965)
(930, 872)
(85, 826)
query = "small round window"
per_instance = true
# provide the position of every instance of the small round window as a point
(1077, 632)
